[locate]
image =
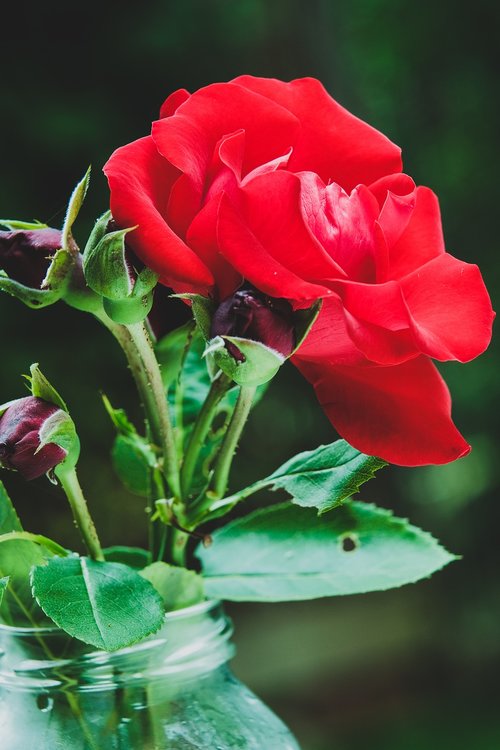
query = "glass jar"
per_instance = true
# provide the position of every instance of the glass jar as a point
(173, 691)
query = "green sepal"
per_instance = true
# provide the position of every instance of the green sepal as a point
(203, 310)
(14, 225)
(41, 388)
(178, 587)
(260, 365)
(127, 295)
(59, 428)
(74, 206)
(53, 286)
(304, 321)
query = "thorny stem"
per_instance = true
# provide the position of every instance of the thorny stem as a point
(230, 442)
(201, 428)
(71, 486)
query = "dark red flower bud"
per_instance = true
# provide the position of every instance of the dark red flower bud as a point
(20, 440)
(25, 255)
(252, 315)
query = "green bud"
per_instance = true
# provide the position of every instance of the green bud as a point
(109, 270)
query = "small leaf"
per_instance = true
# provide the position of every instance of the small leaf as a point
(290, 553)
(136, 557)
(171, 351)
(41, 387)
(323, 478)
(59, 428)
(178, 587)
(107, 605)
(3, 585)
(133, 460)
(119, 418)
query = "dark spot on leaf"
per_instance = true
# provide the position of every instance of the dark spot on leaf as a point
(349, 544)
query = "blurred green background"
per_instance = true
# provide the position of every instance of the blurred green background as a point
(405, 670)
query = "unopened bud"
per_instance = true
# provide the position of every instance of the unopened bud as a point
(252, 315)
(25, 429)
(25, 256)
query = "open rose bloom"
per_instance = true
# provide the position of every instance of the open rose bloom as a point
(274, 184)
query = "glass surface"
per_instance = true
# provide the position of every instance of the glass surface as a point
(171, 692)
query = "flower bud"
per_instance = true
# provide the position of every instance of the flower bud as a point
(252, 315)
(25, 256)
(25, 427)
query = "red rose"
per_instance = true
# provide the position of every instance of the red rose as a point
(276, 185)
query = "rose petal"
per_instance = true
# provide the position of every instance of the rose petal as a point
(401, 414)
(189, 137)
(244, 251)
(333, 143)
(422, 239)
(450, 309)
(173, 102)
(140, 181)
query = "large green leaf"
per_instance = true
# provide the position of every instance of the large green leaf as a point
(325, 477)
(178, 587)
(16, 560)
(289, 553)
(107, 605)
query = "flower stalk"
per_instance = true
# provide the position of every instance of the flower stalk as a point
(71, 486)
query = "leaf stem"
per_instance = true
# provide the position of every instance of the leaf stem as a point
(71, 486)
(201, 428)
(230, 442)
(43, 541)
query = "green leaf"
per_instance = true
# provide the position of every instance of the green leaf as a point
(135, 557)
(133, 460)
(171, 351)
(41, 387)
(323, 478)
(9, 520)
(74, 206)
(107, 605)
(178, 587)
(290, 553)
(260, 365)
(16, 559)
(3, 585)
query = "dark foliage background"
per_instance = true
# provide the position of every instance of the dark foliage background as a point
(410, 669)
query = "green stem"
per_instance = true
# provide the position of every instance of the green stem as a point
(137, 346)
(201, 428)
(71, 486)
(230, 442)
(43, 541)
